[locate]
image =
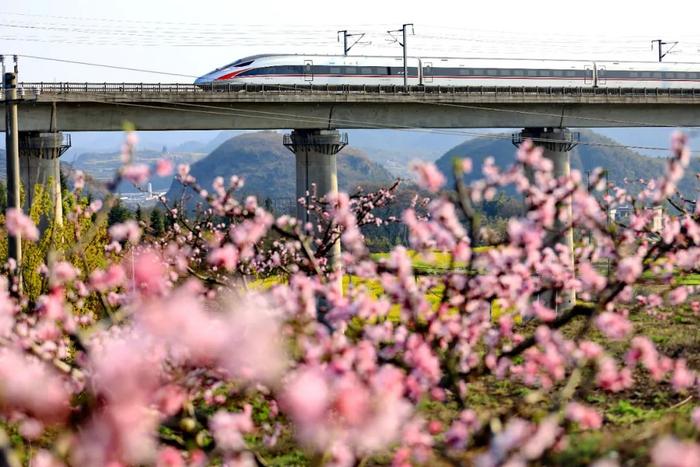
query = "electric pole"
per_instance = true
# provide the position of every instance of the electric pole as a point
(404, 32)
(346, 36)
(14, 242)
(660, 45)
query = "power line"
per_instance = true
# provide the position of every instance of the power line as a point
(76, 62)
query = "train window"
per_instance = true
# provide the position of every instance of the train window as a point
(350, 70)
(366, 71)
(463, 72)
(544, 73)
(645, 74)
(532, 72)
(477, 72)
(492, 72)
(335, 70)
(656, 74)
(680, 75)
(505, 72)
(634, 74)
(571, 73)
(557, 73)
(692, 75)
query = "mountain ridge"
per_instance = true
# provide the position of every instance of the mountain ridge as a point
(595, 150)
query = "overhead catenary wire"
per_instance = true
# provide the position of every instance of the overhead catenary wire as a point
(198, 35)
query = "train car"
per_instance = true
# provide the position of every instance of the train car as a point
(441, 71)
(647, 75)
(505, 72)
(314, 69)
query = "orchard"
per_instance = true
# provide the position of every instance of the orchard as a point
(231, 338)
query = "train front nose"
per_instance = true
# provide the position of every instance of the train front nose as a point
(202, 80)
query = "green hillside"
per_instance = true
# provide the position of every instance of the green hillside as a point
(595, 151)
(269, 168)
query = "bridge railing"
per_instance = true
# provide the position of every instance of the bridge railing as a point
(176, 88)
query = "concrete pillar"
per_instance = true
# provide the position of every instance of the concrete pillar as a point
(557, 144)
(39, 155)
(316, 164)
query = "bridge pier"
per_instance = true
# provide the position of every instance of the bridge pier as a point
(557, 144)
(316, 164)
(39, 155)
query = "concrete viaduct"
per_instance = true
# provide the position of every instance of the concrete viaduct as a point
(316, 112)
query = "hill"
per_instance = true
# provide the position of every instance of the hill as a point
(595, 151)
(269, 168)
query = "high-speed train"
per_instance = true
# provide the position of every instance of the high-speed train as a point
(434, 71)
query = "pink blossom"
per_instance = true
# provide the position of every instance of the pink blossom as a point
(590, 279)
(28, 385)
(629, 269)
(62, 272)
(678, 295)
(613, 325)
(670, 452)
(695, 417)
(18, 224)
(610, 378)
(169, 457)
(183, 170)
(586, 417)
(8, 308)
(44, 458)
(78, 180)
(228, 428)
(136, 173)
(149, 273)
(545, 437)
(682, 378)
(225, 257)
(590, 350)
(164, 167)
(429, 177)
(113, 277)
(306, 396)
(128, 230)
(466, 165)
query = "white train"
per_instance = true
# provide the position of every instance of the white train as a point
(434, 71)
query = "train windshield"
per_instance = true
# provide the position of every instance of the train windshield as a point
(245, 61)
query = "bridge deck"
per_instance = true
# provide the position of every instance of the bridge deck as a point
(156, 106)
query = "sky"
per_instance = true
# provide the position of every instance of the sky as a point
(189, 38)
(181, 40)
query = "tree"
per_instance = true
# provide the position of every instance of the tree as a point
(157, 221)
(3, 197)
(139, 213)
(118, 214)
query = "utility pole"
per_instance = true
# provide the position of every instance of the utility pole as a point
(14, 242)
(346, 36)
(404, 43)
(660, 45)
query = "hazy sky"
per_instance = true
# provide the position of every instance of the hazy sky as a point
(191, 38)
